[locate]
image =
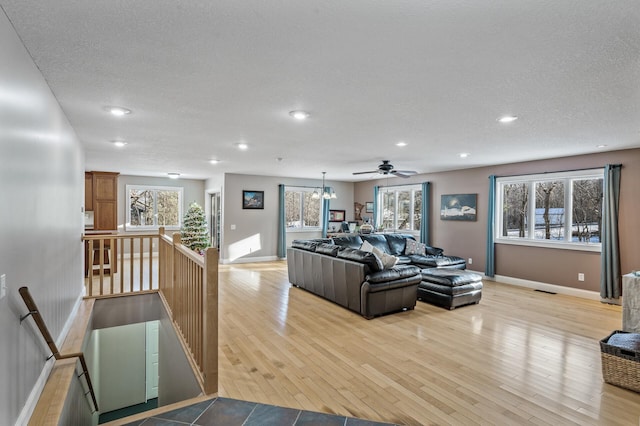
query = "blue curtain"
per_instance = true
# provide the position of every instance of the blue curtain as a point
(282, 230)
(375, 207)
(325, 214)
(426, 213)
(610, 254)
(490, 264)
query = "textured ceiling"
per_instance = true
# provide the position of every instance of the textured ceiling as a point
(201, 76)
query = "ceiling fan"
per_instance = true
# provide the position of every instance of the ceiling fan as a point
(386, 168)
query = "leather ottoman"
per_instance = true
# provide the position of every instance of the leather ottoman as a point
(449, 288)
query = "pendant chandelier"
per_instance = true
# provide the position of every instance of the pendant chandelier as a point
(327, 193)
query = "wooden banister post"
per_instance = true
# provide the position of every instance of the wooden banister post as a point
(210, 321)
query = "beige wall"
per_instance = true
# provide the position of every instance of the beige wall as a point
(553, 266)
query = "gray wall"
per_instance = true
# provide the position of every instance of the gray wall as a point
(553, 266)
(255, 236)
(41, 194)
(193, 191)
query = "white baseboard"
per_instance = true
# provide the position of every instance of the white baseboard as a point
(38, 387)
(569, 291)
(250, 260)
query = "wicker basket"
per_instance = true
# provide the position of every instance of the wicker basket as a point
(620, 366)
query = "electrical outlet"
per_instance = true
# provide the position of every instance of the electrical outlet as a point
(3, 285)
(233, 227)
(580, 276)
(470, 262)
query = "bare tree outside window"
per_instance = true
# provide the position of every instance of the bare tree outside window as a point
(301, 209)
(515, 210)
(550, 208)
(397, 210)
(417, 209)
(562, 207)
(151, 207)
(587, 210)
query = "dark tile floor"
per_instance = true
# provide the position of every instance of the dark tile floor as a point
(230, 412)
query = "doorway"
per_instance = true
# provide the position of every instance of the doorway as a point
(214, 221)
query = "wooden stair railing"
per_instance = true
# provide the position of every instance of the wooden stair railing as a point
(35, 313)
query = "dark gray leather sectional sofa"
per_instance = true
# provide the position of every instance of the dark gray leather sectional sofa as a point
(338, 271)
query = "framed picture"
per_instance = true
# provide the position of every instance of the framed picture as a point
(458, 207)
(252, 199)
(369, 207)
(336, 215)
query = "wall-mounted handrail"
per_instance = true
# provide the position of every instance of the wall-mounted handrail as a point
(35, 313)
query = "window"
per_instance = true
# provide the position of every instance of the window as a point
(561, 210)
(153, 206)
(302, 211)
(400, 207)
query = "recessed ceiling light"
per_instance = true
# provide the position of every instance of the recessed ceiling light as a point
(174, 175)
(299, 115)
(507, 119)
(401, 143)
(464, 155)
(601, 146)
(214, 161)
(118, 111)
(243, 146)
(119, 144)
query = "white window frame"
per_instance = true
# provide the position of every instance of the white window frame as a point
(301, 190)
(531, 180)
(395, 189)
(154, 227)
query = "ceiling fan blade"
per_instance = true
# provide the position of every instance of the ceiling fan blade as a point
(399, 174)
(364, 173)
(406, 172)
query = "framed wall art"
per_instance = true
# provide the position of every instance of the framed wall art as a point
(252, 199)
(458, 207)
(336, 215)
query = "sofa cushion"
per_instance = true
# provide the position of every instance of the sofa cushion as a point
(393, 274)
(434, 251)
(450, 277)
(351, 241)
(379, 241)
(364, 257)
(388, 260)
(438, 261)
(328, 249)
(397, 243)
(308, 245)
(414, 248)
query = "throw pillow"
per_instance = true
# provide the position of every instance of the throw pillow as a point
(366, 246)
(414, 247)
(388, 261)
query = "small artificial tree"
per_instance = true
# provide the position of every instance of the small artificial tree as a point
(194, 229)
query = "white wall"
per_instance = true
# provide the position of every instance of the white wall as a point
(41, 196)
(255, 237)
(122, 366)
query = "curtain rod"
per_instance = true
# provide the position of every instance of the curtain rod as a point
(558, 171)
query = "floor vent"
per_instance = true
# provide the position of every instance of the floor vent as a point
(544, 291)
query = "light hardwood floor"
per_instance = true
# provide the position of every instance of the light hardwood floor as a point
(519, 357)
